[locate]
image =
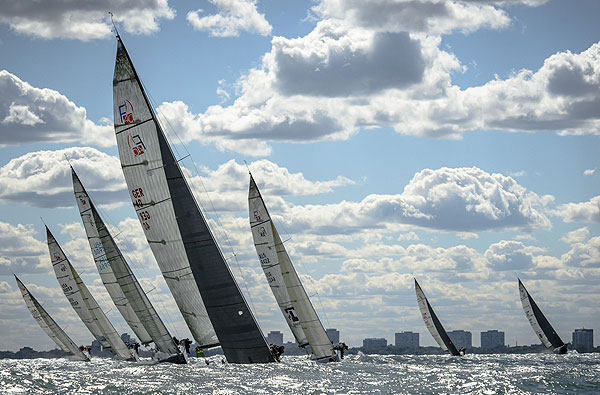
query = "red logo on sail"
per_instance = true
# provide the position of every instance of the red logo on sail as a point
(82, 200)
(136, 144)
(262, 231)
(56, 257)
(257, 216)
(63, 268)
(126, 112)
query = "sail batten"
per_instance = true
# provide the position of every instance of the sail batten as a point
(83, 302)
(540, 324)
(432, 322)
(177, 231)
(291, 297)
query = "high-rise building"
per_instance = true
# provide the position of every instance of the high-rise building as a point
(492, 338)
(333, 335)
(275, 337)
(461, 338)
(406, 339)
(374, 343)
(583, 338)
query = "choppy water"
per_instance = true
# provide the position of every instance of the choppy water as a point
(373, 374)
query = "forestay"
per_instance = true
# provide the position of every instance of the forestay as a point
(132, 289)
(83, 302)
(176, 230)
(538, 321)
(62, 340)
(102, 263)
(264, 242)
(433, 323)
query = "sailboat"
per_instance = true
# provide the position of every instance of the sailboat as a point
(186, 252)
(55, 332)
(433, 323)
(120, 282)
(84, 303)
(283, 279)
(539, 322)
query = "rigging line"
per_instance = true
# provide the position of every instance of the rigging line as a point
(220, 227)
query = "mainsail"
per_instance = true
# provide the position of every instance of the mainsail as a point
(183, 245)
(284, 281)
(118, 277)
(102, 264)
(83, 302)
(264, 242)
(433, 323)
(539, 323)
(62, 340)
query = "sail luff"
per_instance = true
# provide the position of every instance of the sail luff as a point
(174, 225)
(540, 324)
(432, 322)
(47, 323)
(133, 291)
(103, 265)
(264, 243)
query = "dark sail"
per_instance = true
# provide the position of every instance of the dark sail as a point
(540, 323)
(433, 323)
(236, 329)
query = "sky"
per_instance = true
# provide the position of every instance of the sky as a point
(452, 141)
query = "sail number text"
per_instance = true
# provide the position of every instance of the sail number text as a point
(263, 259)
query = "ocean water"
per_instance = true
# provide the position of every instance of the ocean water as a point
(357, 374)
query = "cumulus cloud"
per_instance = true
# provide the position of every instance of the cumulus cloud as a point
(509, 255)
(451, 199)
(576, 236)
(589, 172)
(583, 254)
(378, 78)
(430, 16)
(33, 115)
(233, 17)
(580, 212)
(20, 251)
(43, 178)
(83, 20)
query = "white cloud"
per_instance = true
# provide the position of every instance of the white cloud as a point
(233, 17)
(580, 212)
(589, 172)
(34, 115)
(584, 254)
(83, 20)
(388, 79)
(430, 16)
(21, 252)
(453, 199)
(509, 255)
(43, 178)
(576, 236)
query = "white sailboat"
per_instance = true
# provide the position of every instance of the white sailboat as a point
(192, 264)
(55, 332)
(433, 323)
(540, 324)
(84, 303)
(121, 283)
(284, 281)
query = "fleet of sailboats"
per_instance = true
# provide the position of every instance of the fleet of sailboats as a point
(193, 266)
(120, 282)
